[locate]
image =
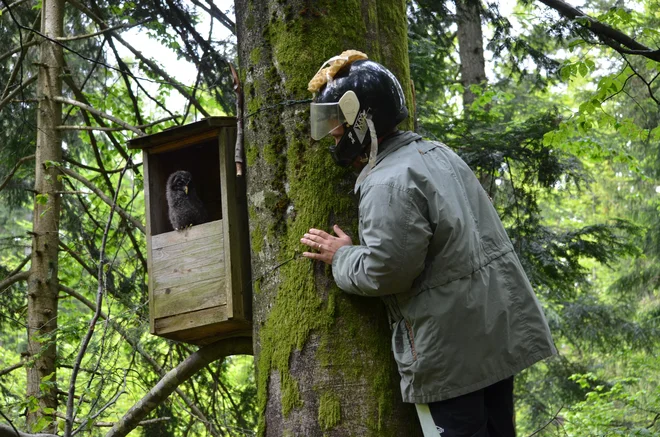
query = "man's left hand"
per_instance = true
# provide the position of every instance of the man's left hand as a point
(324, 243)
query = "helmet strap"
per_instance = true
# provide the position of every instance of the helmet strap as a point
(373, 152)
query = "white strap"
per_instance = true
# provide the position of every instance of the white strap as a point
(429, 427)
(373, 152)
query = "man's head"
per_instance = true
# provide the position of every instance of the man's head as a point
(360, 91)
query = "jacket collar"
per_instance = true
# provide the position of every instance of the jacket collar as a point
(390, 145)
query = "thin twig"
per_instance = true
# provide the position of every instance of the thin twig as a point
(113, 129)
(130, 339)
(103, 197)
(99, 113)
(98, 170)
(13, 170)
(17, 90)
(103, 31)
(111, 424)
(99, 300)
(547, 424)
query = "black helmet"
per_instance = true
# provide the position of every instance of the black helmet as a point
(379, 97)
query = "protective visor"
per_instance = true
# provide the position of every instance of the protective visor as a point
(324, 118)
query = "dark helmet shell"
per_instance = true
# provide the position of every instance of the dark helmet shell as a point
(378, 91)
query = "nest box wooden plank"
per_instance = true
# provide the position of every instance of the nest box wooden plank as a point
(199, 277)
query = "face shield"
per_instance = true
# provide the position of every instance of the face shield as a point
(325, 117)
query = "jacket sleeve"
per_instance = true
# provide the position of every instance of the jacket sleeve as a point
(395, 235)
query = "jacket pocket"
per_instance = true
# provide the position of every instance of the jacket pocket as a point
(403, 344)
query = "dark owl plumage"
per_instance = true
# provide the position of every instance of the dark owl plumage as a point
(184, 207)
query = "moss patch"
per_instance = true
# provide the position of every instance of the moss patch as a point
(329, 411)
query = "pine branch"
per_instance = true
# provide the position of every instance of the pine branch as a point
(13, 170)
(92, 324)
(16, 90)
(92, 110)
(98, 170)
(216, 13)
(7, 282)
(5, 9)
(152, 65)
(103, 31)
(103, 197)
(114, 129)
(17, 49)
(99, 120)
(17, 65)
(156, 69)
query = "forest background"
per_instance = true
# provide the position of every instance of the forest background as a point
(556, 111)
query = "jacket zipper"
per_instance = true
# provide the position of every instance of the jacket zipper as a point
(412, 340)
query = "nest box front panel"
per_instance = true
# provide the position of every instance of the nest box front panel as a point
(188, 270)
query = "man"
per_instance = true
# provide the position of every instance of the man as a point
(464, 316)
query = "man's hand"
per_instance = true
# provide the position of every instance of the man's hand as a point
(324, 243)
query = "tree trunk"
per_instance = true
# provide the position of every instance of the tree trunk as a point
(323, 358)
(43, 281)
(470, 47)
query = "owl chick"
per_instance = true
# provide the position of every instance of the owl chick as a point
(185, 208)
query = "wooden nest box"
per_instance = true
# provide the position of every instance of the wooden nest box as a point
(199, 277)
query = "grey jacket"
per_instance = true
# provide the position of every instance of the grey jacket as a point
(463, 312)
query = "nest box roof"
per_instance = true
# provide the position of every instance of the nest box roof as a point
(194, 132)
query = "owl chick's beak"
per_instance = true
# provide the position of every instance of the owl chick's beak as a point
(185, 189)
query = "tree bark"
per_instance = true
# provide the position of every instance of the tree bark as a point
(324, 365)
(43, 280)
(470, 47)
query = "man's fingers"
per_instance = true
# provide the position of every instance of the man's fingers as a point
(314, 244)
(319, 232)
(338, 231)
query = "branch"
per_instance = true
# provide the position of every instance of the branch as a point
(154, 67)
(110, 424)
(18, 49)
(78, 258)
(115, 129)
(13, 170)
(101, 32)
(68, 426)
(175, 377)
(610, 36)
(216, 13)
(10, 369)
(138, 347)
(98, 170)
(549, 422)
(8, 431)
(99, 113)
(3, 10)
(22, 276)
(103, 197)
(16, 90)
(18, 63)
(99, 120)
